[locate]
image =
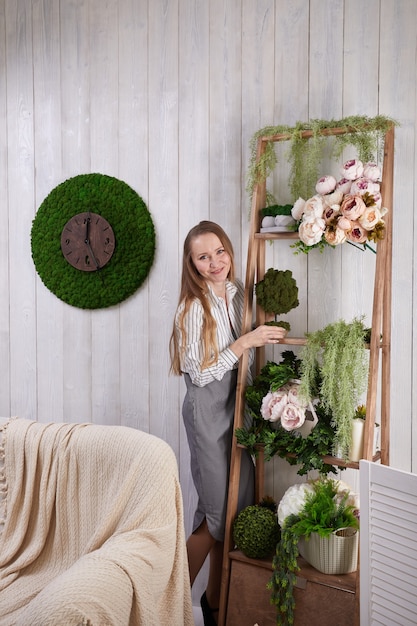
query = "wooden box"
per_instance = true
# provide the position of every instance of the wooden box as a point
(321, 600)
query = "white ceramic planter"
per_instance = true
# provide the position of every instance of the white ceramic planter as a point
(356, 448)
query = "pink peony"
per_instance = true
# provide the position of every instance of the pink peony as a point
(352, 207)
(330, 212)
(357, 234)
(325, 185)
(335, 236)
(344, 185)
(363, 185)
(352, 169)
(372, 171)
(344, 223)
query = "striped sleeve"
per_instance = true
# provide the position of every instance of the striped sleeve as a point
(193, 356)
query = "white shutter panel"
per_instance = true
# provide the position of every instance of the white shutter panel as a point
(388, 546)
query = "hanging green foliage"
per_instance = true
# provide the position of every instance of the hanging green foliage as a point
(365, 134)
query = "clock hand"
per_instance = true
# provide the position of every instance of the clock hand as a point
(87, 230)
(96, 263)
(87, 241)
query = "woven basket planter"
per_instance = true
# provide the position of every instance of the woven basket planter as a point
(335, 554)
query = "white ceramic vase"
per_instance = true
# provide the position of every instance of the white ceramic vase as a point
(356, 448)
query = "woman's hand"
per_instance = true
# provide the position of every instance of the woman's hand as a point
(261, 336)
(265, 334)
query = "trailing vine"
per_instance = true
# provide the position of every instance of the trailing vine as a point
(304, 155)
(336, 356)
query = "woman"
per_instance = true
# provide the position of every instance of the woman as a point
(205, 347)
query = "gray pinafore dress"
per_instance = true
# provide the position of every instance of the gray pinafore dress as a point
(208, 418)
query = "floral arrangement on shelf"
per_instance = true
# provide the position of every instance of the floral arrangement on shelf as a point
(286, 406)
(302, 409)
(321, 506)
(349, 210)
(283, 424)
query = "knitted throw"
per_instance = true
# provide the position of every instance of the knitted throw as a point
(91, 528)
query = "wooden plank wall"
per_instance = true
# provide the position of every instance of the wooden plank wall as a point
(166, 96)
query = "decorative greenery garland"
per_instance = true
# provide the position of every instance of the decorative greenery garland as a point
(134, 231)
(304, 155)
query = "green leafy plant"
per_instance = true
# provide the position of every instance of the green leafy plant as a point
(334, 368)
(325, 509)
(365, 134)
(256, 530)
(277, 293)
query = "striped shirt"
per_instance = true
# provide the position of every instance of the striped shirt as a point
(229, 324)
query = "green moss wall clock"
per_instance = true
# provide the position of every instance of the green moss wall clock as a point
(93, 241)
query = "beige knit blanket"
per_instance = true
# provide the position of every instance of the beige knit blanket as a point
(91, 528)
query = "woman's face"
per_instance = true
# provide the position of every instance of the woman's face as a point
(210, 259)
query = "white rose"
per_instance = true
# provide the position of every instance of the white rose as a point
(273, 404)
(293, 501)
(298, 209)
(372, 171)
(293, 416)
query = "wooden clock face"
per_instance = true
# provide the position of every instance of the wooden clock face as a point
(87, 241)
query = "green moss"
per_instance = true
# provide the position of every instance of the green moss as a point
(256, 531)
(134, 232)
(277, 292)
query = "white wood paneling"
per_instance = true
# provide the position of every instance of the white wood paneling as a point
(4, 229)
(166, 95)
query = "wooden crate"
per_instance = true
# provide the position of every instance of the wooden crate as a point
(321, 600)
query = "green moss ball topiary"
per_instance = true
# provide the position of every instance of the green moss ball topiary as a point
(256, 531)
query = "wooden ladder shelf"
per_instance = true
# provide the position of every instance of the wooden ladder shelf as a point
(380, 345)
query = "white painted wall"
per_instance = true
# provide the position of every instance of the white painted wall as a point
(166, 96)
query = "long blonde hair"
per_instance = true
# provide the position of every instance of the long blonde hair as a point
(193, 286)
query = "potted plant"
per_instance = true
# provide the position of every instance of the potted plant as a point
(276, 218)
(277, 293)
(290, 443)
(318, 509)
(334, 367)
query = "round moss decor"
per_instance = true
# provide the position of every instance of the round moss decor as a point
(256, 531)
(134, 235)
